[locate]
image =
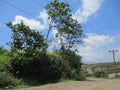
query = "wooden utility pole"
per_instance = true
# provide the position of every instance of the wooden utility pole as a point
(113, 52)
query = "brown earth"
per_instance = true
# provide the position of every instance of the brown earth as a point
(90, 69)
(90, 84)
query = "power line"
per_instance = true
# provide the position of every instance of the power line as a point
(113, 52)
(17, 8)
(64, 1)
(80, 15)
(47, 1)
(37, 3)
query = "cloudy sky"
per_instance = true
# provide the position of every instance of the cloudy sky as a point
(99, 18)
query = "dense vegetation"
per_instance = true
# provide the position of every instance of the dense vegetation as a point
(29, 59)
(6, 78)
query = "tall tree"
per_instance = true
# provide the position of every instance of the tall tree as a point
(69, 34)
(69, 30)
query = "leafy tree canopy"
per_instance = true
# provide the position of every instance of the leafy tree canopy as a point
(69, 31)
(25, 39)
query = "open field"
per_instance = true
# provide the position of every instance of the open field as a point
(90, 84)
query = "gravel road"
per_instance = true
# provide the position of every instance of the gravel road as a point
(90, 84)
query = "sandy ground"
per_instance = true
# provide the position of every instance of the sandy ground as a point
(90, 84)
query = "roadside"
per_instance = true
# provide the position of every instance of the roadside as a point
(90, 84)
(112, 75)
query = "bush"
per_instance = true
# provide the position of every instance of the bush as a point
(42, 68)
(61, 65)
(117, 76)
(73, 62)
(77, 75)
(100, 74)
(7, 80)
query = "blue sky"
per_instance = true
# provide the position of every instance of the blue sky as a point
(100, 20)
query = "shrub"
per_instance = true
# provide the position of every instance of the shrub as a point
(77, 75)
(73, 64)
(117, 76)
(100, 74)
(42, 68)
(7, 80)
(61, 65)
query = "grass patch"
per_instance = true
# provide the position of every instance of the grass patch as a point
(66, 80)
(117, 77)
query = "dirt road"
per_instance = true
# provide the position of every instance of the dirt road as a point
(90, 84)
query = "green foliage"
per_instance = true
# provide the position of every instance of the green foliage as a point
(28, 58)
(101, 74)
(2, 50)
(61, 18)
(73, 59)
(7, 80)
(69, 34)
(25, 39)
(4, 58)
(4, 67)
(62, 65)
(42, 69)
(117, 76)
(45, 68)
(73, 62)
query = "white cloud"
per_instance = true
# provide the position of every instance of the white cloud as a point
(96, 48)
(88, 8)
(54, 32)
(55, 44)
(96, 40)
(32, 23)
(44, 17)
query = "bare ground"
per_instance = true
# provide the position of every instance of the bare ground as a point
(90, 84)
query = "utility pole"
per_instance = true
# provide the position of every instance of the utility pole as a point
(113, 52)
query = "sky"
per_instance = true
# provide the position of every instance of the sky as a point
(99, 19)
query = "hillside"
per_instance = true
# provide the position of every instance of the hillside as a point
(89, 69)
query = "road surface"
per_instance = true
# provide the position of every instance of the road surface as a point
(90, 84)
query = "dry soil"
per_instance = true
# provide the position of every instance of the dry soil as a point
(90, 84)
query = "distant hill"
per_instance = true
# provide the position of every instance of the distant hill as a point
(106, 63)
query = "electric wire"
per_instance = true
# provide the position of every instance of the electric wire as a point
(22, 10)
(38, 3)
